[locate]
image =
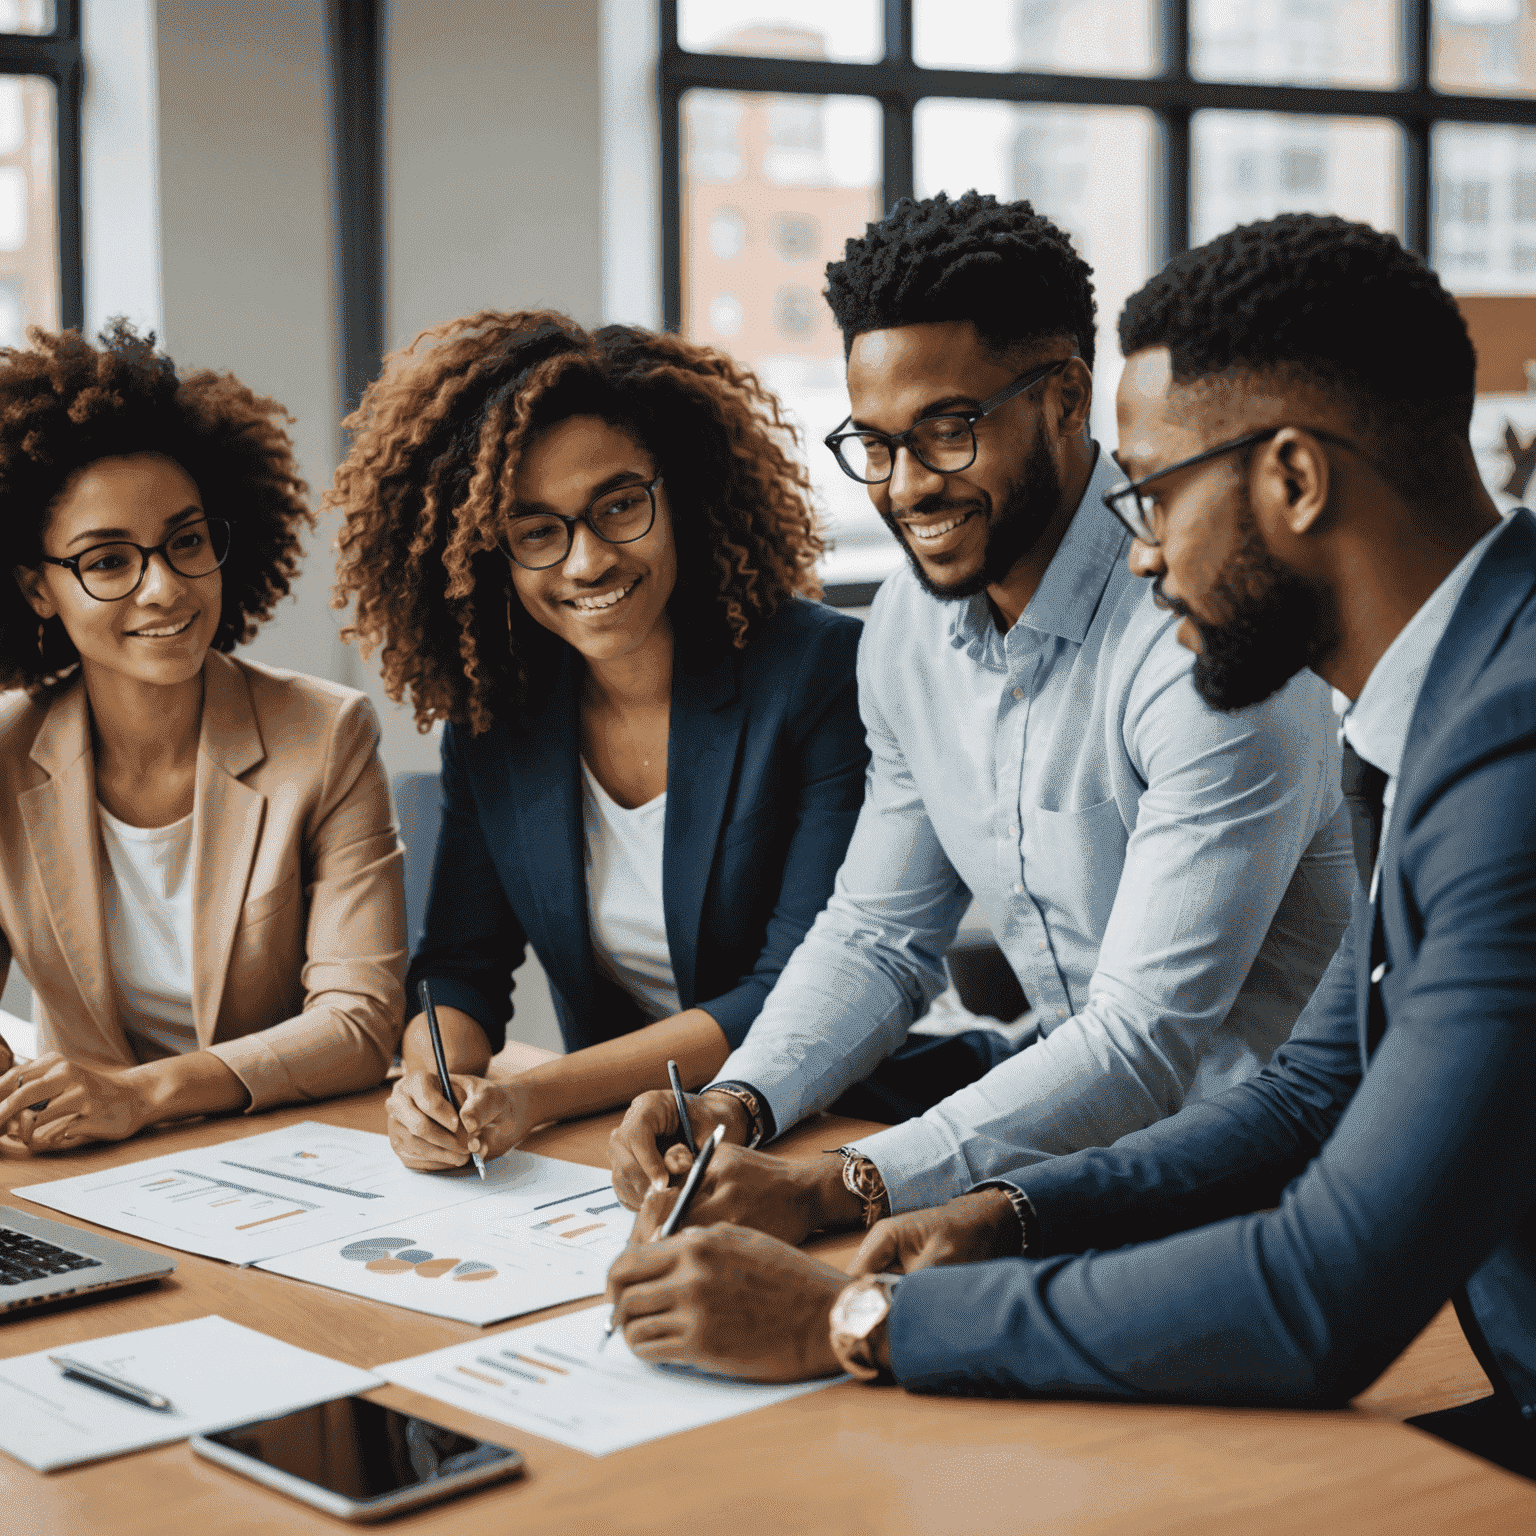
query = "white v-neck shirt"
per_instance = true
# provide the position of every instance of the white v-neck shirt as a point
(625, 913)
(146, 893)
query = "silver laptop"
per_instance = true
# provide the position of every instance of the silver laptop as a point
(42, 1260)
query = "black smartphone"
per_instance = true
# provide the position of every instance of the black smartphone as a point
(358, 1459)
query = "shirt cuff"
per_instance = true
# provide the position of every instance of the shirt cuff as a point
(261, 1070)
(918, 1164)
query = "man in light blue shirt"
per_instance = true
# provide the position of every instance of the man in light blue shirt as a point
(1168, 883)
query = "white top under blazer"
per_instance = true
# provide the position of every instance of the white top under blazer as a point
(146, 891)
(624, 907)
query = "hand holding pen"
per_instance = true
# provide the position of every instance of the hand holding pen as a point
(684, 1200)
(424, 992)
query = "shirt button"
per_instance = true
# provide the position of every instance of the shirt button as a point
(1041, 944)
(1013, 830)
(1019, 889)
(1061, 1013)
(1018, 693)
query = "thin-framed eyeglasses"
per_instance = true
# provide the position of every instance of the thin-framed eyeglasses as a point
(539, 540)
(945, 443)
(110, 572)
(1134, 509)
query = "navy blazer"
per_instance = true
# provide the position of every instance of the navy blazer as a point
(765, 776)
(1395, 1132)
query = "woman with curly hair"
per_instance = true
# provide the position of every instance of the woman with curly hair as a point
(199, 873)
(586, 552)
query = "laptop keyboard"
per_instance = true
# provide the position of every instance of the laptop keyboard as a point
(24, 1257)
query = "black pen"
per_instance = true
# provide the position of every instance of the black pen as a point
(682, 1108)
(424, 992)
(684, 1200)
(105, 1381)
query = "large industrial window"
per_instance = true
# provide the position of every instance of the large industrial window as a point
(1140, 126)
(40, 237)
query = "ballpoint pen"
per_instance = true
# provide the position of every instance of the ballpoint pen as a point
(105, 1381)
(684, 1200)
(682, 1108)
(424, 992)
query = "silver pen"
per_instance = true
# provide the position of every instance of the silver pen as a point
(105, 1381)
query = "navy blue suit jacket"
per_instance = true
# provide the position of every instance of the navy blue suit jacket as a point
(1395, 1132)
(765, 776)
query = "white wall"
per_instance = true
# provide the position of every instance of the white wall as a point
(494, 166)
(246, 252)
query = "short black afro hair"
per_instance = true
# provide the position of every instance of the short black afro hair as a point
(1002, 266)
(64, 404)
(1327, 302)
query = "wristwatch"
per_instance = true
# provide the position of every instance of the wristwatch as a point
(857, 1316)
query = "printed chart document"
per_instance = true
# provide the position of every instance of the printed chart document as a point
(215, 1373)
(546, 1234)
(264, 1195)
(551, 1379)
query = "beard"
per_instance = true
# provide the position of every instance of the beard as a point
(1028, 505)
(1275, 623)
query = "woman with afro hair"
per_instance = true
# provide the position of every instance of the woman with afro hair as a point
(199, 873)
(587, 554)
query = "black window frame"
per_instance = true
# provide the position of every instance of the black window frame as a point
(57, 56)
(1173, 96)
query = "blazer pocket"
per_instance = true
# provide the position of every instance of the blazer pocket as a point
(260, 908)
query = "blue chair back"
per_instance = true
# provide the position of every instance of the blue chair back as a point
(419, 805)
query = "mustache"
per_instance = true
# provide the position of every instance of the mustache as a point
(932, 504)
(1175, 605)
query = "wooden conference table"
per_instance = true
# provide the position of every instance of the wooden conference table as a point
(848, 1459)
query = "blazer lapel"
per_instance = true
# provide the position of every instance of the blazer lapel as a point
(543, 784)
(62, 831)
(226, 832)
(707, 717)
(1499, 588)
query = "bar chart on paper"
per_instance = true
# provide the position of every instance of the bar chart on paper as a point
(547, 1240)
(250, 1199)
(556, 1378)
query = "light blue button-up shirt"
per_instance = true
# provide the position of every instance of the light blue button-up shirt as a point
(1167, 882)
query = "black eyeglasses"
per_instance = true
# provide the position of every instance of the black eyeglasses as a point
(1133, 509)
(945, 444)
(542, 539)
(111, 572)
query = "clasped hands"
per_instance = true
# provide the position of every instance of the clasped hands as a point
(80, 1101)
(724, 1297)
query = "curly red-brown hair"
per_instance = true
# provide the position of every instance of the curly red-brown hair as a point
(428, 485)
(65, 403)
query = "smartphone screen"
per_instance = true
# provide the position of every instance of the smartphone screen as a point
(360, 1450)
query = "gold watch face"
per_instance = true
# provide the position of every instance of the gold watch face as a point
(858, 1312)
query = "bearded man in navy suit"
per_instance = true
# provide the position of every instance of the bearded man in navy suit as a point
(1293, 427)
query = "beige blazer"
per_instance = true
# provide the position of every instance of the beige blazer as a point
(299, 944)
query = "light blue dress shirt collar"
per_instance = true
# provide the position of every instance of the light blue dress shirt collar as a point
(1068, 595)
